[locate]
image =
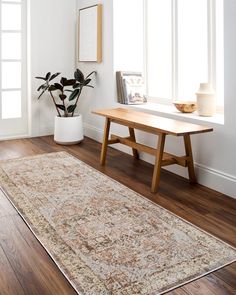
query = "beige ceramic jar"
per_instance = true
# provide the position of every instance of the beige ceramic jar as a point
(206, 100)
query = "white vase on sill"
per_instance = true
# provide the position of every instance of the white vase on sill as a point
(206, 100)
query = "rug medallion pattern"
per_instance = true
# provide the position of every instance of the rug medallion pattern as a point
(106, 238)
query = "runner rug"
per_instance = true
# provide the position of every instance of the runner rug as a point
(104, 237)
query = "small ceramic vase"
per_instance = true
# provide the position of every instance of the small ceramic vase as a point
(206, 100)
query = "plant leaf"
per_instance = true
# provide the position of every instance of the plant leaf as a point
(63, 81)
(79, 76)
(62, 96)
(77, 85)
(41, 94)
(54, 76)
(58, 86)
(44, 90)
(40, 87)
(89, 86)
(48, 76)
(93, 72)
(52, 88)
(86, 82)
(61, 107)
(71, 108)
(41, 78)
(68, 90)
(74, 94)
(70, 82)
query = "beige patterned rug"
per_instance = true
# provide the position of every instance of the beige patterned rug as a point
(104, 237)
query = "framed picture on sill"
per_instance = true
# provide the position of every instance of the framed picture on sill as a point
(90, 34)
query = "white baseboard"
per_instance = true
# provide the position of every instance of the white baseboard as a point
(215, 179)
(44, 131)
(207, 176)
(93, 132)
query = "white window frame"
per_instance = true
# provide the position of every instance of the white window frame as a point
(17, 126)
(212, 56)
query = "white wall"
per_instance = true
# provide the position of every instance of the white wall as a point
(104, 93)
(214, 153)
(52, 39)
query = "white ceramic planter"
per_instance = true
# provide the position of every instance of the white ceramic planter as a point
(68, 130)
(206, 100)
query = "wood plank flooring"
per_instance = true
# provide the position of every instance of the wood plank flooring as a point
(26, 268)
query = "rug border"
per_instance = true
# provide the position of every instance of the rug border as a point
(4, 191)
(66, 277)
(7, 195)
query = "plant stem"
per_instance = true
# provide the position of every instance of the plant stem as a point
(63, 101)
(77, 100)
(55, 104)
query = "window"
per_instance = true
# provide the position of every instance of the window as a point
(13, 102)
(184, 47)
(128, 19)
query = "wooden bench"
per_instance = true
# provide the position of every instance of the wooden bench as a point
(155, 125)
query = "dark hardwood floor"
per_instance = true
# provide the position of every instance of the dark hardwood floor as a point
(26, 268)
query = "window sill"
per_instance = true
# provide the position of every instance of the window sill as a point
(170, 111)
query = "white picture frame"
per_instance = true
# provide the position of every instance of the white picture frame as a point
(90, 34)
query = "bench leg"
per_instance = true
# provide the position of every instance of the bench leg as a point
(105, 141)
(188, 149)
(157, 167)
(132, 136)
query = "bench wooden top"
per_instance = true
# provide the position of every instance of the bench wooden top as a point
(151, 123)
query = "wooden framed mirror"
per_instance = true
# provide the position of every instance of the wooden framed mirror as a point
(90, 34)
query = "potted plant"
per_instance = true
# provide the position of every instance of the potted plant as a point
(65, 96)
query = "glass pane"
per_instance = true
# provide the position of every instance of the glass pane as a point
(11, 75)
(11, 46)
(11, 16)
(192, 47)
(128, 35)
(11, 104)
(159, 64)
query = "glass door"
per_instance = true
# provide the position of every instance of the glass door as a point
(13, 93)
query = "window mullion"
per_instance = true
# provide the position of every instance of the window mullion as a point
(209, 2)
(11, 31)
(211, 43)
(174, 49)
(11, 2)
(145, 44)
(11, 60)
